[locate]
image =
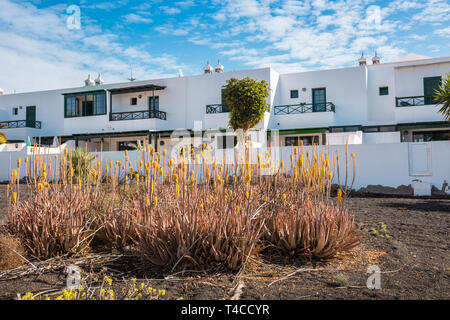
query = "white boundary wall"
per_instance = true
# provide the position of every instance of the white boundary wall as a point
(385, 164)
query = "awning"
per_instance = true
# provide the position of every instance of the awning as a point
(146, 87)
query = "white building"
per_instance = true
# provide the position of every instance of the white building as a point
(369, 103)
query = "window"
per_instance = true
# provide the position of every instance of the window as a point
(128, 145)
(133, 101)
(319, 99)
(153, 103)
(294, 94)
(15, 111)
(225, 108)
(345, 129)
(89, 104)
(291, 141)
(380, 129)
(384, 91)
(438, 135)
(295, 141)
(429, 85)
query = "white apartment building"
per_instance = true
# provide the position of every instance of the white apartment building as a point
(370, 103)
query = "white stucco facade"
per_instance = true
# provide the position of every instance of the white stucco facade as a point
(361, 105)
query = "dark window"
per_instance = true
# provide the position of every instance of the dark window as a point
(340, 129)
(388, 129)
(133, 101)
(294, 94)
(429, 86)
(438, 135)
(295, 141)
(127, 145)
(15, 111)
(345, 129)
(371, 129)
(291, 141)
(319, 99)
(225, 108)
(226, 142)
(153, 103)
(384, 91)
(85, 105)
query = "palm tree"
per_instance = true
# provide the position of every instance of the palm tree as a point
(442, 96)
(3, 137)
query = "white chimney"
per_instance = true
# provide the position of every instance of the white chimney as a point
(376, 59)
(208, 69)
(99, 81)
(362, 61)
(89, 82)
(218, 68)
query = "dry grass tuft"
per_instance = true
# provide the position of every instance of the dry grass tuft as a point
(11, 251)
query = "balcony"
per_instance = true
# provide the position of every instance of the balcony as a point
(411, 101)
(20, 124)
(304, 108)
(216, 108)
(138, 115)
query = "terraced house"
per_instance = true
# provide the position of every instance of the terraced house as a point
(372, 102)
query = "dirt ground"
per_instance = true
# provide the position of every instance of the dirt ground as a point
(406, 238)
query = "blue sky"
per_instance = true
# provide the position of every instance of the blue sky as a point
(156, 38)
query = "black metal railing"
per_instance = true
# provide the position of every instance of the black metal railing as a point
(20, 124)
(304, 108)
(413, 101)
(137, 115)
(216, 108)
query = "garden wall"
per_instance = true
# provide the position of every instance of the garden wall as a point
(386, 165)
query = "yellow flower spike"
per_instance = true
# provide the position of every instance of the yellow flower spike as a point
(192, 182)
(155, 201)
(164, 152)
(284, 197)
(141, 164)
(147, 200)
(126, 152)
(65, 151)
(296, 150)
(14, 173)
(136, 176)
(247, 194)
(39, 187)
(208, 173)
(330, 175)
(26, 159)
(46, 185)
(175, 178)
(353, 155)
(161, 172)
(201, 206)
(230, 193)
(19, 162)
(282, 164)
(14, 197)
(178, 190)
(339, 195)
(185, 188)
(44, 167)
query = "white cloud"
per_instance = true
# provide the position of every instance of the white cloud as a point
(169, 10)
(38, 51)
(444, 32)
(135, 18)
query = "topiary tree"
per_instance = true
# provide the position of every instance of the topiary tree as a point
(247, 100)
(442, 96)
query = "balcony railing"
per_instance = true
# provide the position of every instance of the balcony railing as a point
(216, 108)
(137, 115)
(412, 101)
(20, 124)
(304, 108)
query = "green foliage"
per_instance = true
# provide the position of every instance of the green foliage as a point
(341, 279)
(442, 96)
(82, 162)
(247, 99)
(3, 137)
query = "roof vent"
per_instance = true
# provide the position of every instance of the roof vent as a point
(208, 68)
(362, 61)
(218, 68)
(99, 81)
(376, 59)
(89, 82)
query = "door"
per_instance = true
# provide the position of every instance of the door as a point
(319, 99)
(31, 117)
(429, 85)
(153, 103)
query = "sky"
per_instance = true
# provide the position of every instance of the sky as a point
(56, 44)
